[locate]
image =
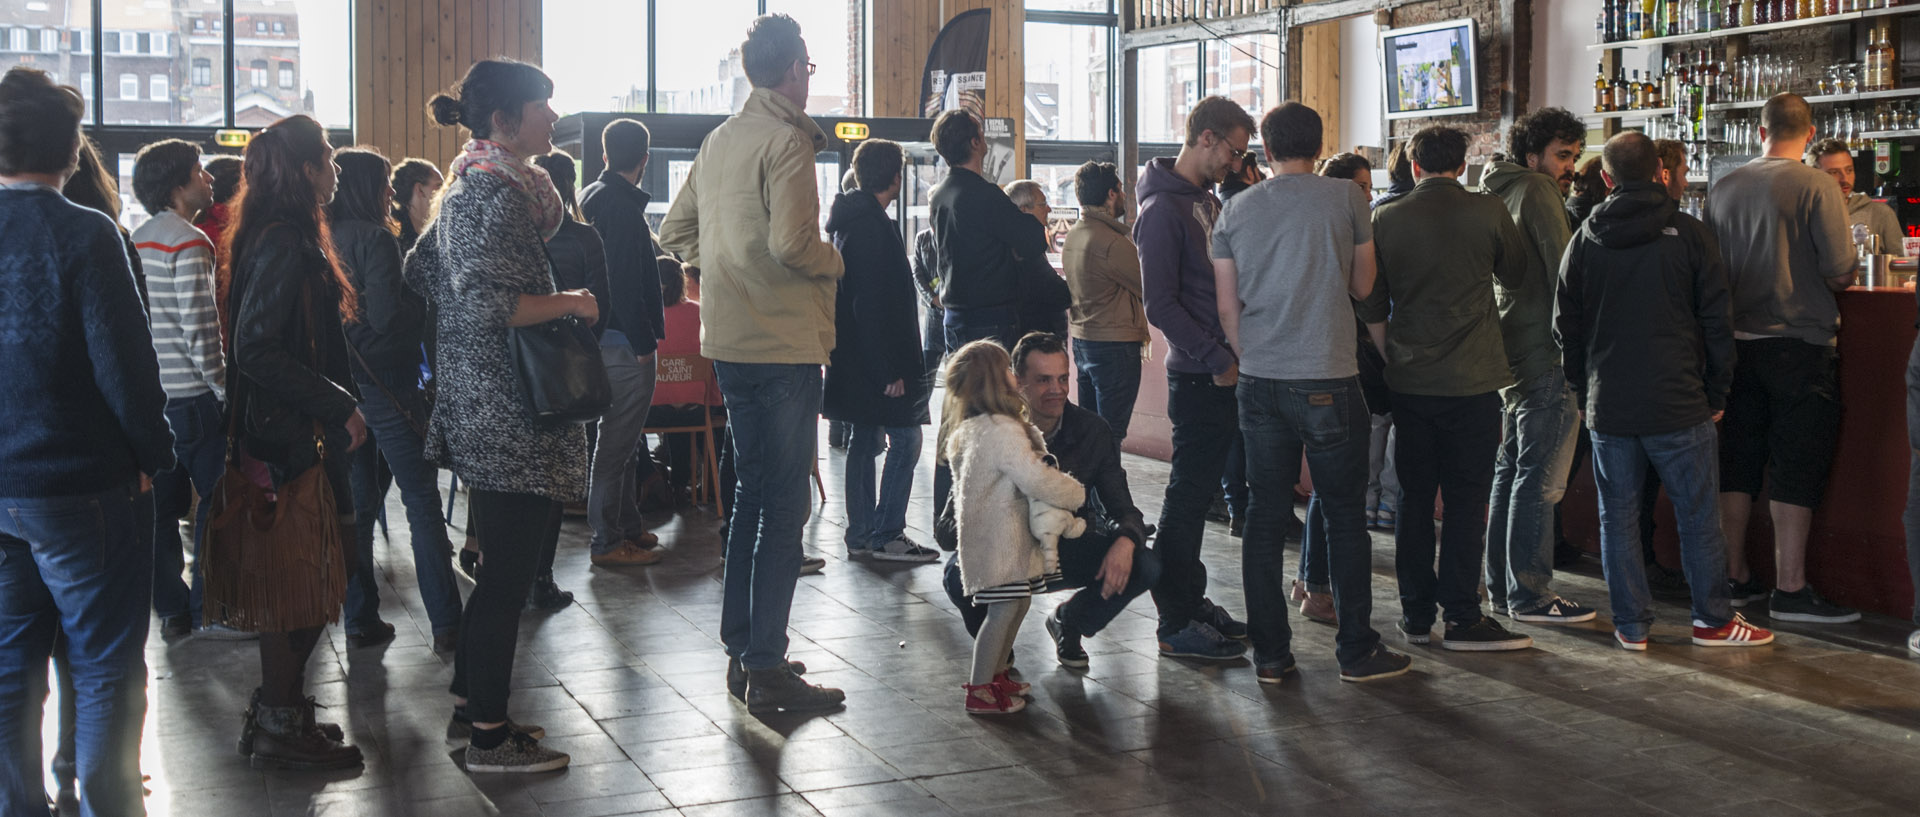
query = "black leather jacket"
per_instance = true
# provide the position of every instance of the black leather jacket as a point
(392, 316)
(289, 366)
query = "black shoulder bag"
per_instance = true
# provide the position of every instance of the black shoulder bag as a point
(557, 367)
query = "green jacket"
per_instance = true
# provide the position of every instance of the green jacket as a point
(1440, 249)
(1526, 312)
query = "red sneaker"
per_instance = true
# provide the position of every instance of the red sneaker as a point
(1735, 633)
(1005, 683)
(990, 699)
(1638, 644)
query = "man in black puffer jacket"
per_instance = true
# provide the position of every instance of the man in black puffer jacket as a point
(1644, 323)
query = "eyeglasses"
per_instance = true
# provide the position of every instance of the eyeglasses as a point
(811, 68)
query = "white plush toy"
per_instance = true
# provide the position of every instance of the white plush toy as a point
(1050, 524)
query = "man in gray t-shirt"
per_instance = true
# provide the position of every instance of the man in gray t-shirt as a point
(1783, 227)
(1290, 255)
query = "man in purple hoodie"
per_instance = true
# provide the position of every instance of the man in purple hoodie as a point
(1173, 232)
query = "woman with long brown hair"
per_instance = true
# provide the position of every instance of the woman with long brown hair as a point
(292, 396)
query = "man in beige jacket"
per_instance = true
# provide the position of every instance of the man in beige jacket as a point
(749, 217)
(1108, 319)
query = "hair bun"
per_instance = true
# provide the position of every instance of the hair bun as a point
(444, 109)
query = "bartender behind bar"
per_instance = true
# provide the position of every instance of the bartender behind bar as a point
(1833, 157)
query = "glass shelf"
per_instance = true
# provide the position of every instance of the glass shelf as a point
(1822, 20)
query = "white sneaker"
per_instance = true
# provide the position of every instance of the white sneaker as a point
(1913, 644)
(902, 549)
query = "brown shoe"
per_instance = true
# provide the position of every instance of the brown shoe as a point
(1319, 607)
(626, 555)
(1299, 593)
(645, 541)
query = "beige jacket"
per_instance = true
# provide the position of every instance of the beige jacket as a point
(749, 218)
(1103, 270)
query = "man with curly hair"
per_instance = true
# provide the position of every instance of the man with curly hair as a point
(1539, 416)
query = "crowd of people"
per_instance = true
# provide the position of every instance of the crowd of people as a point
(292, 332)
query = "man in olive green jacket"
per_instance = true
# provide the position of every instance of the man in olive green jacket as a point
(1539, 413)
(1441, 248)
(1108, 319)
(749, 217)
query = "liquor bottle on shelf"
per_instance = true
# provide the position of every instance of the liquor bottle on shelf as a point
(1632, 29)
(1620, 19)
(1622, 98)
(1747, 10)
(1602, 91)
(1649, 19)
(1671, 14)
(1763, 11)
(1636, 95)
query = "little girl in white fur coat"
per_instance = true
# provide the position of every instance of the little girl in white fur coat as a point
(1000, 480)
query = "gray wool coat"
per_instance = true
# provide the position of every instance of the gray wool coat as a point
(482, 253)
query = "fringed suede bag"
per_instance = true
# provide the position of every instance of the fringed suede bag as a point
(275, 561)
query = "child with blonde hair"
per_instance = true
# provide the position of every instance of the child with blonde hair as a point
(999, 472)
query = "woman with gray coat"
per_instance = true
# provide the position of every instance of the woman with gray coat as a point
(483, 264)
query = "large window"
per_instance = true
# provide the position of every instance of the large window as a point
(174, 53)
(1169, 87)
(1246, 70)
(601, 54)
(1069, 86)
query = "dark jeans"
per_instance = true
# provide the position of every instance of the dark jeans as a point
(1313, 544)
(394, 441)
(82, 565)
(200, 457)
(1206, 421)
(1911, 517)
(1080, 559)
(1233, 481)
(1687, 461)
(1000, 324)
(1327, 421)
(877, 509)
(933, 336)
(1109, 374)
(773, 411)
(1446, 447)
(514, 529)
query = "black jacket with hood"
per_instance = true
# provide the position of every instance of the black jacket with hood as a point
(1644, 316)
(876, 329)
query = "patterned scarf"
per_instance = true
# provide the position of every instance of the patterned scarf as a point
(493, 158)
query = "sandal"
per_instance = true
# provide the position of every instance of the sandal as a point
(990, 699)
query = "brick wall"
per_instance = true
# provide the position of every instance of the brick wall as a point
(1483, 126)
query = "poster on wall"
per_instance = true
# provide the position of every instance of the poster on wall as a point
(956, 70)
(998, 167)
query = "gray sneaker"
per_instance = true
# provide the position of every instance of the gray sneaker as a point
(221, 632)
(518, 754)
(1808, 607)
(902, 549)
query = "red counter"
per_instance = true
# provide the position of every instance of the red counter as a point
(1857, 554)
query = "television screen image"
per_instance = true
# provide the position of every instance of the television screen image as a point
(1429, 70)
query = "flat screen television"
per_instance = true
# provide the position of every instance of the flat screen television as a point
(1430, 70)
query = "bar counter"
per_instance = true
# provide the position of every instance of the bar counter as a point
(1857, 553)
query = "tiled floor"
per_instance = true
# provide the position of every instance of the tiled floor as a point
(629, 681)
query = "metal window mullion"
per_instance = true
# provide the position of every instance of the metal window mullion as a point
(653, 59)
(99, 62)
(227, 52)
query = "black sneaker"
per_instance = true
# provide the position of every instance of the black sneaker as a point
(1669, 584)
(374, 636)
(737, 676)
(1745, 593)
(1237, 527)
(179, 626)
(469, 563)
(547, 596)
(519, 753)
(1066, 642)
(1273, 672)
(1381, 663)
(1556, 610)
(1217, 617)
(810, 565)
(780, 690)
(1200, 640)
(1808, 606)
(1423, 635)
(1483, 635)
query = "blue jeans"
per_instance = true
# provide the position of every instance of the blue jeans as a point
(1000, 324)
(1206, 422)
(393, 439)
(1688, 462)
(613, 509)
(1109, 380)
(1327, 421)
(773, 412)
(81, 565)
(1313, 544)
(200, 457)
(872, 524)
(1444, 447)
(1539, 422)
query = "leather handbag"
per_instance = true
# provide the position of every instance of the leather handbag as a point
(557, 367)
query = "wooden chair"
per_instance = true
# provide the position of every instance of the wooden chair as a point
(696, 369)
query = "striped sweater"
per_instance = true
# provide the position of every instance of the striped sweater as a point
(178, 260)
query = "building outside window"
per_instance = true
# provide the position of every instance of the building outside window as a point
(129, 86)
(157, 87)
(257, 73)
(286, 76)
(202, 71)
(49, 40)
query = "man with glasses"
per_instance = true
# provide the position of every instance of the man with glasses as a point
(1177, 211)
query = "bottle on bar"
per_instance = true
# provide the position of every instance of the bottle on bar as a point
(1650, 92)
(1672, 16)
(1649, 19)
(1602, 90)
